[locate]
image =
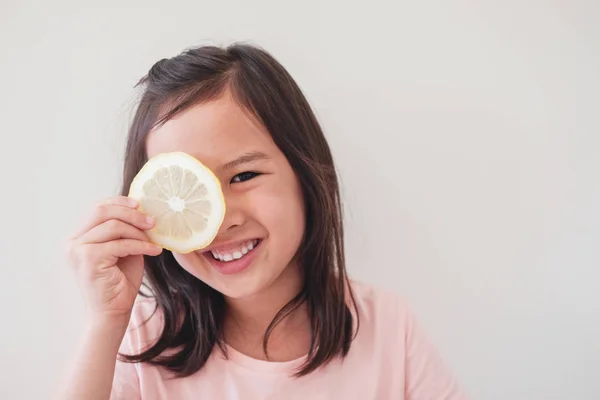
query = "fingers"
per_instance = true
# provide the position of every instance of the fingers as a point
(130, 247)
(112, 230)
(106, 254)
(121, 201)
(119, 208)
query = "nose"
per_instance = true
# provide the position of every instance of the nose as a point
(234, 215)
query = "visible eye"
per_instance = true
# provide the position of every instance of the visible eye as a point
(244, 176)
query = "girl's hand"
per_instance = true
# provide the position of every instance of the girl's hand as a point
(107, 253)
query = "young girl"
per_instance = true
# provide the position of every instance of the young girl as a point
(287, 322)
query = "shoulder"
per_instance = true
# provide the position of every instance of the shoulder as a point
(383, 315)
(379, 302)
(388, 327)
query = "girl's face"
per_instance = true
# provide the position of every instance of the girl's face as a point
(265, 218)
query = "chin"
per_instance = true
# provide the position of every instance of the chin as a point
(245, 285)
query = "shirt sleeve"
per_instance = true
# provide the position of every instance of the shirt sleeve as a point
(126, 384)
(427, 376)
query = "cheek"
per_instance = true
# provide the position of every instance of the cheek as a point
(280, 210)
(195, 265)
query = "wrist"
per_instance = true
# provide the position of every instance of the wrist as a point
(102, 337)
(110, 325)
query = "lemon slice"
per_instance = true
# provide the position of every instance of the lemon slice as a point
(185, 199)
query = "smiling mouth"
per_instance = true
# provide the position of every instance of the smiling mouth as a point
(235, 253)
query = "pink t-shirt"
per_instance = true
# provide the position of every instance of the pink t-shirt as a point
(390, 358)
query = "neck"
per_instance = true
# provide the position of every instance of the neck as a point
(256, 312)
(247, 319)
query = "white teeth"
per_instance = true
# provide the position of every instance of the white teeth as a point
(236, 254)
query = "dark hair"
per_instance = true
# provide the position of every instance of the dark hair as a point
(193, 311)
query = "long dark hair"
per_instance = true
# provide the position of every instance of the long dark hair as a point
(194, 312)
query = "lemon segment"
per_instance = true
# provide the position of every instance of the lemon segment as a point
(185, 199)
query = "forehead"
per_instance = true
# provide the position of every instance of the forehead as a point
(214, 132)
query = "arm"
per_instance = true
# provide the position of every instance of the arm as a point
(107, 255)
(93, 366)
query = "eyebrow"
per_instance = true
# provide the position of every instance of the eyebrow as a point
(246, 158)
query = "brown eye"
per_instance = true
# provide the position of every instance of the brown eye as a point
(244, 176)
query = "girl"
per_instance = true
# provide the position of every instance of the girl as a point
(288, 324)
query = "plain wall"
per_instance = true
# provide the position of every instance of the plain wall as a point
(466, 133)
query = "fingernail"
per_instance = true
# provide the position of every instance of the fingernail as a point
(132, 202)
(150, 220)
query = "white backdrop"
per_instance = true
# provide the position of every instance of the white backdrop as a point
(467, 136)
